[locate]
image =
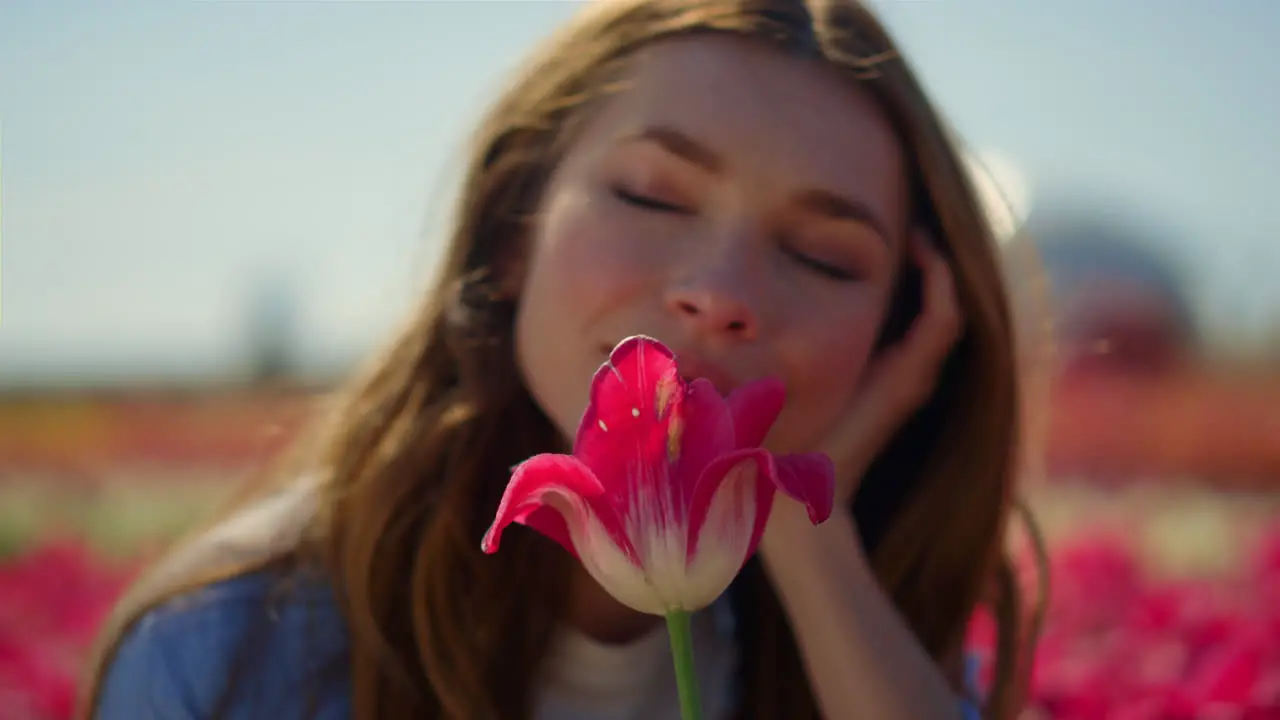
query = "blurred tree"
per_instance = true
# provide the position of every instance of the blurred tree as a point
(273, 336)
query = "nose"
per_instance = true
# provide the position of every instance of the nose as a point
(714, 300)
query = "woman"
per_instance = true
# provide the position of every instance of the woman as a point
(763, 186)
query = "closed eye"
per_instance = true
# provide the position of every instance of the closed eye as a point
(648, 202)
(826, 269)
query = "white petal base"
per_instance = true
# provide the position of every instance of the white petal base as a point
(667, 578)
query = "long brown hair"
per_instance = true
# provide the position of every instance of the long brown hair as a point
(404, 467)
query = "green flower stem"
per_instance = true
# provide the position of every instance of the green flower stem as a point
(678, 628)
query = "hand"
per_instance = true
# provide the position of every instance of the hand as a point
(861, 658)
(900, 378)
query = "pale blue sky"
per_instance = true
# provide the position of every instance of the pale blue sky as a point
(158, 157)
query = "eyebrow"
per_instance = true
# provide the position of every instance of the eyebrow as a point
(678, 143)
(838, 207)
(819, 202)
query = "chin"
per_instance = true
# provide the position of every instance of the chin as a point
(565, 408)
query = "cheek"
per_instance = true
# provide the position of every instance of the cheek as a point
(582, 260)
(581, 268)
(826, 362)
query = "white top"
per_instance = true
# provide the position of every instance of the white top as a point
(590, 680)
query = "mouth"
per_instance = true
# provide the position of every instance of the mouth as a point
(693, 368)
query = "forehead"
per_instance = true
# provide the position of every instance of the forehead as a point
(763, 110)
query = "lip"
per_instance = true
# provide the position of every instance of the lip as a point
(692, 367)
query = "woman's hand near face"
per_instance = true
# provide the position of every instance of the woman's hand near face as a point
(901, 378)
(861, 658)
(897, 383)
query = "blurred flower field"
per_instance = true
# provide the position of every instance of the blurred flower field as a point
(1176, 617)
(1166, 604)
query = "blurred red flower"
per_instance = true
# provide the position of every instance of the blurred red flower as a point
(1120, 644)
(56, 597)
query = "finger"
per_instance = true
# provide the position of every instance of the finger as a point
(941, 322)
(904, 376)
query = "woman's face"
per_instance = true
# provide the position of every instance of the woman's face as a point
(746, 208)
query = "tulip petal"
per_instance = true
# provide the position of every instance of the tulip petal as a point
(809, 478)
(559, 496)
(729, 508)
(625, 430)
(755, 407)
(618, 568)
(704, 430)
(562, 484)
(656, 523)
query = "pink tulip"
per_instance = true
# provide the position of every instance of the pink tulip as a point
(667, 491)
